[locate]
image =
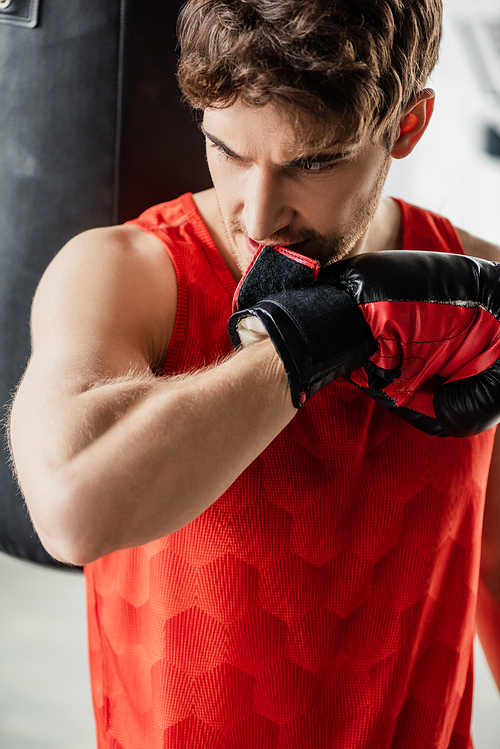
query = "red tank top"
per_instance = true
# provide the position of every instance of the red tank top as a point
(327, 599)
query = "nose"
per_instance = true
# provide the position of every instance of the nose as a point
(266, 206)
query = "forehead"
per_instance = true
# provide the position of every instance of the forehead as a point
(252, 130)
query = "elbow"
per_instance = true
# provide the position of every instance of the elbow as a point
(489, 572)
(490, 578)
(62, 552)
(68, 548)
(62, 519)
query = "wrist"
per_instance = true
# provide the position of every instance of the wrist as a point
(268, 368)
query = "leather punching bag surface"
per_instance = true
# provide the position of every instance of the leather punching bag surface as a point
(92, 132)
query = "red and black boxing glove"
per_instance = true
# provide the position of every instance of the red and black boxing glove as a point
(418, 331)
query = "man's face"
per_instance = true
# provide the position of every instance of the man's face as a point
(273, 190)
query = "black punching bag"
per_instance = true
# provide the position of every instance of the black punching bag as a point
(92, 132)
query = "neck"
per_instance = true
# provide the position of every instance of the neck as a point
(384, 232)
(206, 203)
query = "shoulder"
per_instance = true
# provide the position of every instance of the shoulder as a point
(109, 283)
(477, 247)
(119, 246)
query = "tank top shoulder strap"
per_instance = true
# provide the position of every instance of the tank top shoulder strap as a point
(205, 286)
(424, 230)
(180, 227)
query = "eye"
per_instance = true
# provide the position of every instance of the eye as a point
(227, 155)
(314, 167)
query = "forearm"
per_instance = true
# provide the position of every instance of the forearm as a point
(488, 624)
(488, 604)
(173, 450)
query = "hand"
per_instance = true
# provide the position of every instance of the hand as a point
(279, 296)
(419, 332)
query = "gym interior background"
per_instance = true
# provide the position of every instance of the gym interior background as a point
(44, 689)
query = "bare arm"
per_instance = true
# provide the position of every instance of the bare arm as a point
(108, 455)
(488, 604)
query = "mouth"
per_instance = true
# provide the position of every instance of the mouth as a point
(252, 245)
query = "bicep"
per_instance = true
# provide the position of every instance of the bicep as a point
(476, 247)
(108, 299)
(490, 557)
(103, 313)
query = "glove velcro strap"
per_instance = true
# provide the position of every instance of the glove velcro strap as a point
(273, 270)
(318, 333)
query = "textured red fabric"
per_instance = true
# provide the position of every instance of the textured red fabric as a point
(326, 600)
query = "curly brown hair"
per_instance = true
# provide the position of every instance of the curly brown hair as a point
(349, 64)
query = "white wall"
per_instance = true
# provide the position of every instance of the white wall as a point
(449, 172)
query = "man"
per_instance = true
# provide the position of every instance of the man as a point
(258, 575)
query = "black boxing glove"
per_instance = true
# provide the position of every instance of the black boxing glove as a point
(426, 329)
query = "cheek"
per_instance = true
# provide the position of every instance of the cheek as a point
(331, 204)
(226, 183)
(332, 207)
(214, 167)
(363, 184)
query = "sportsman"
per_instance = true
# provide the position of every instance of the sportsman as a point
(281, 544)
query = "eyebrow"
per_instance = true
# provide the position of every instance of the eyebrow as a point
(218, 142)
(320, 158)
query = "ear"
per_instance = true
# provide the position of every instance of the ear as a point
(413, 123)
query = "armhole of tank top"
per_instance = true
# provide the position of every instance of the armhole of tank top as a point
(181, 308)
(205, 245)
(180, 322)
(448, 233)
(455, 240)
(208, 245)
